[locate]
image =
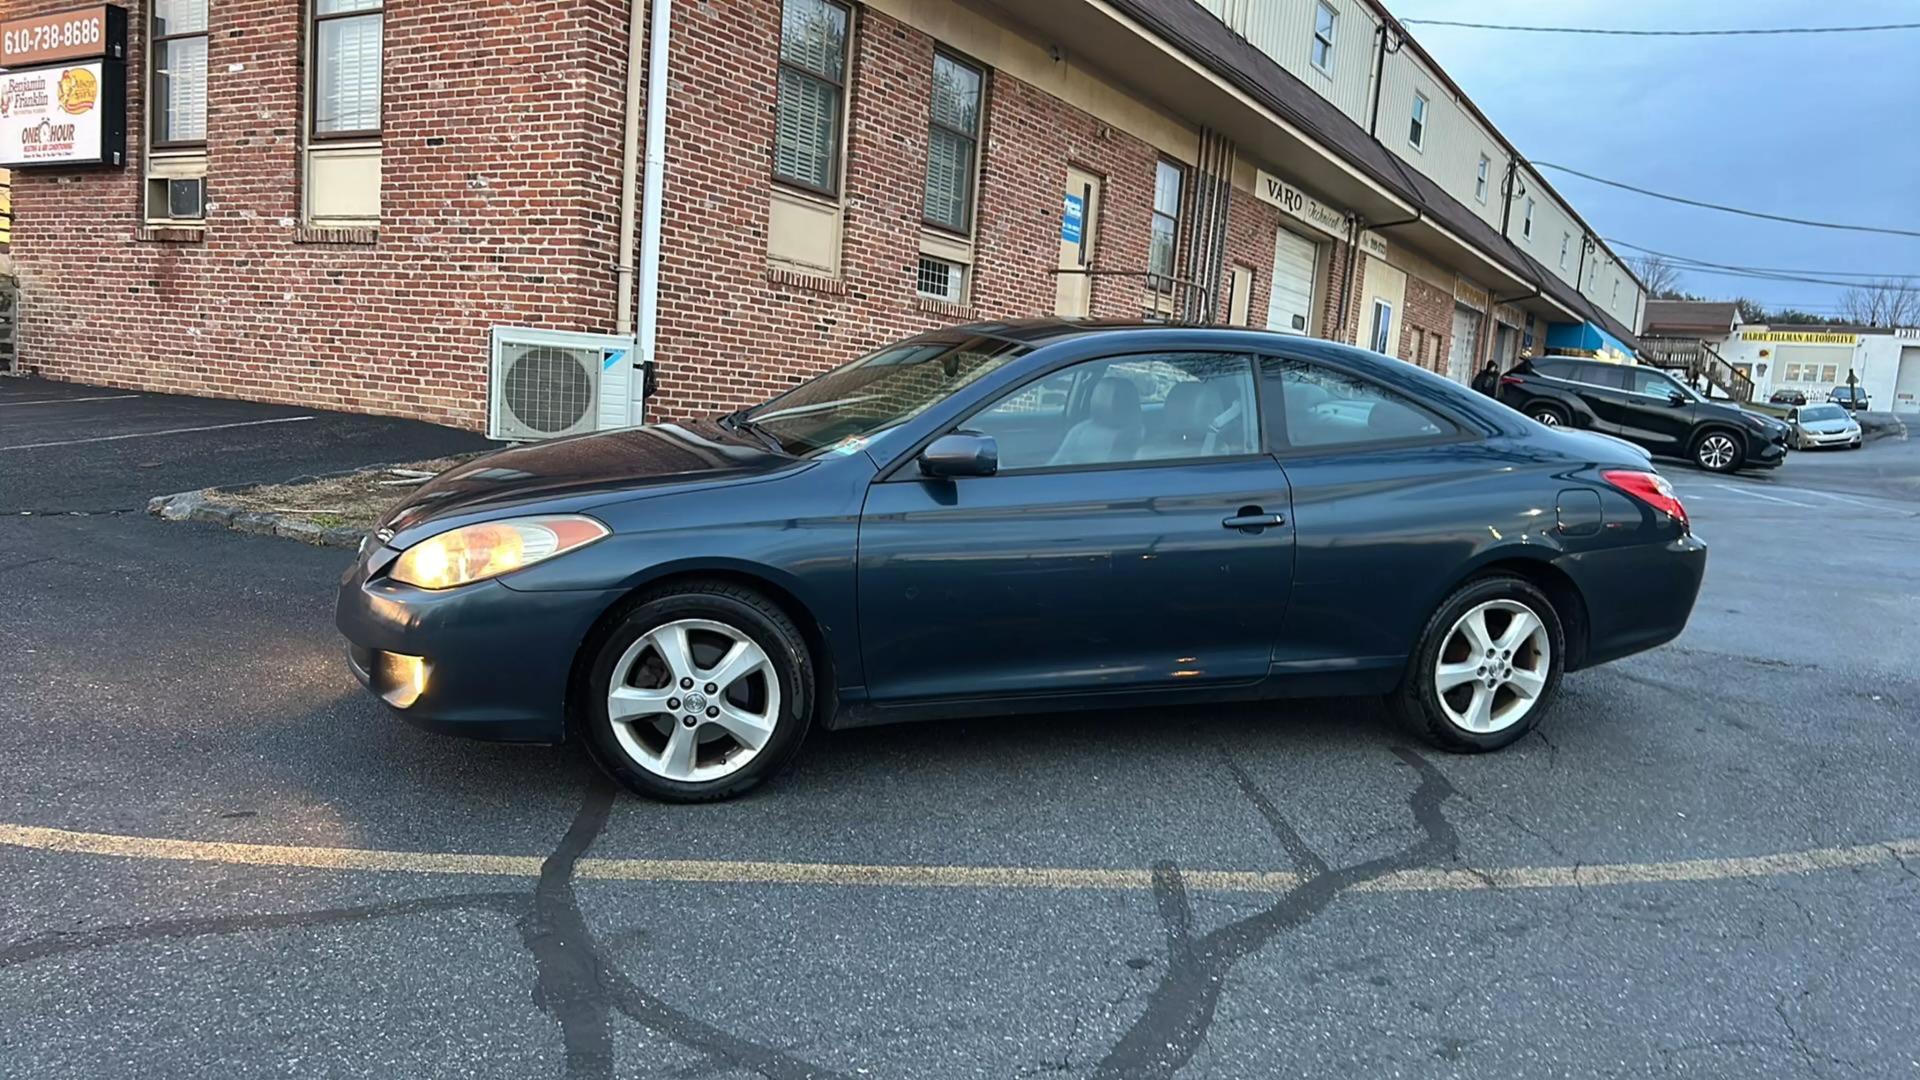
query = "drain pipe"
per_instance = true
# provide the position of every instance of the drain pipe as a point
(654, 185)
(629, 176)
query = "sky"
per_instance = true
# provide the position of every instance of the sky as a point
(1812, 126)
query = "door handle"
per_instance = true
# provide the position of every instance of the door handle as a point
(1253, 520)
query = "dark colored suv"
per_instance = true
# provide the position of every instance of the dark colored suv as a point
(1644, 405)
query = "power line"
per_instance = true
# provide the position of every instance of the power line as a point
(1725, 209)
(1686, 262)
(1737, 32)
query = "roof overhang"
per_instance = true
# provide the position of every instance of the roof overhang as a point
(1095, 35)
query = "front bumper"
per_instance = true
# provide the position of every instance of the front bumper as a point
(497, 661)
(1809, 439)
(1765, 451)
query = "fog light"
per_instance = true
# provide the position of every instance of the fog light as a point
(401, 679)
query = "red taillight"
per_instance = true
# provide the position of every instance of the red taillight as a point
(1650, 488)
(1509, 380)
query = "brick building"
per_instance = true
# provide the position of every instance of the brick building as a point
(335, 202)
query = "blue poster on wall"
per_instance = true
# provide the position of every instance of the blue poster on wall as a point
(1072, 218)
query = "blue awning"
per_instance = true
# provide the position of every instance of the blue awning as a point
(1585, 337)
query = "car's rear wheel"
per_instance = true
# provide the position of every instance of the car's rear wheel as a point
(1549, 415)
(1486, 666)
(697, 693)
(1717, 451)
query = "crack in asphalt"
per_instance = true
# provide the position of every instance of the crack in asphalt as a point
(61, 942)
(580, 988)
(575, 984)
(1181, 1009)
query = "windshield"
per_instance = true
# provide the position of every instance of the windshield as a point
(845, 408)
(1822, 412)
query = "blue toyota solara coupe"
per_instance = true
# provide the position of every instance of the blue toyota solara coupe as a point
(1020, 517)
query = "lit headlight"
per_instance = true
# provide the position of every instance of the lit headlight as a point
(491, 548)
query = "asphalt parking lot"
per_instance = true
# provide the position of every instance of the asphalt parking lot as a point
(219, 857)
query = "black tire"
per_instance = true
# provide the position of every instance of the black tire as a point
(1707, 446)
(739, 608)
(1550, 415)
(1417, 700)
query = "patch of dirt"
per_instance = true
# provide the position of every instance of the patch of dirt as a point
(356, 499)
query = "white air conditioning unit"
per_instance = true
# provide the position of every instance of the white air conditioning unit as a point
(549, 383)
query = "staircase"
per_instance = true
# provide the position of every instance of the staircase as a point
(1696, 358)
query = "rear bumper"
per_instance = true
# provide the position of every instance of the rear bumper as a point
(1638, 597)
(497, 661)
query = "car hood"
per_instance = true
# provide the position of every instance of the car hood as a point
(587, 470)
(1772, 425)
(1828, 427)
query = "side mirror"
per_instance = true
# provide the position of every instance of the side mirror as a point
(1675, 397)
(961, 453)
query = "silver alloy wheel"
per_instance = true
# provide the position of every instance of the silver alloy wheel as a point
(1717, 451)
(693, 700)
(1547, 417)
(1493, 666)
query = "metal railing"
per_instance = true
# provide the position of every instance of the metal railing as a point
(1699, 360)
(1162, 296)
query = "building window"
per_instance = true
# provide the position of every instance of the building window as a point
(346, 68)
(1526, 221)
(813, 75)
(176, 161)
(1325, 20)
(1167, 182)
(1417, 127)
(941, 279)
(1480, 178)
(1566, 248)
(179, 85)
(1382, 327)
(953, 141)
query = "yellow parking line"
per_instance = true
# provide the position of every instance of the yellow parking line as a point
(728, 872)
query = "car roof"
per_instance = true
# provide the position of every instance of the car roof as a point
(1038, 332)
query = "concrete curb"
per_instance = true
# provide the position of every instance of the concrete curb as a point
(196, 506)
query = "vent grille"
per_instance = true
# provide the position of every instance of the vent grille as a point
(548, 390)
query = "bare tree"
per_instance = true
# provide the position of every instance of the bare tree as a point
(1887, 302)
(1659, 275)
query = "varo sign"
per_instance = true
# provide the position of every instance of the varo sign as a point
(1299, 205)
(63, 96)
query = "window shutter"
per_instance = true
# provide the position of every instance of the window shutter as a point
(949, 162)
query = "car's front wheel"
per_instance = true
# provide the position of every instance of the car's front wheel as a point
(1485, 668)
(1717, 451)
(697, 692)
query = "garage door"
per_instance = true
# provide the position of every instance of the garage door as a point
(1290, 306)
(1466, 344)
(1906, 385)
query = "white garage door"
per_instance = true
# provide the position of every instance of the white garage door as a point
(1906, 385)
(1290, 305)
(1466, 344)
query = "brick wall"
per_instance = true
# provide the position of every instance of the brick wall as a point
(501, 170)
(497, 210)
(1427, 311)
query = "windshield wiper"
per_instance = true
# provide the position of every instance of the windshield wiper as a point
(737, 421)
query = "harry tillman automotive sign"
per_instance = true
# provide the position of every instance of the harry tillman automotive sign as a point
(63, 94)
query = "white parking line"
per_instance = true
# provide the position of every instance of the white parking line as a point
(152, 434)
(1769, 498)
(1840, 498)
(63, 400)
